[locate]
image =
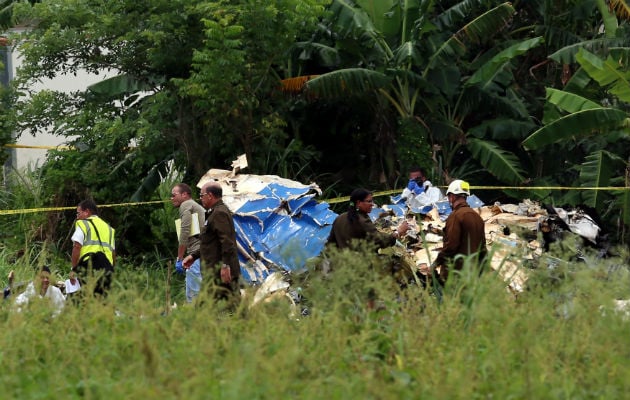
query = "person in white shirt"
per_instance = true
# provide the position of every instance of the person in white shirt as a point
(72, 286)
(41, 288)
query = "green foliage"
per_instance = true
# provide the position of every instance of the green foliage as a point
(162, 100)
(474, 31)
(418, 71)
(496, 159)
(598, 171)
(491, 68)
(576, 125)
(238, 107)
(413, 147)
(613, 74)
(480, 341)
(7, 98)
(23, 190)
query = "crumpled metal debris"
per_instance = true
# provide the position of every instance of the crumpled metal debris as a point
(280, 225)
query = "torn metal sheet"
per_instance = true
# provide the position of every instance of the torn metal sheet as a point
(278, 222)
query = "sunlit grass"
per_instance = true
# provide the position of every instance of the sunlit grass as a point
(559, 339)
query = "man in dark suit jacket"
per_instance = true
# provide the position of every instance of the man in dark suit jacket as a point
(218, 251)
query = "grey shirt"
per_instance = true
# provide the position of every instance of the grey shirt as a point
(187, 211)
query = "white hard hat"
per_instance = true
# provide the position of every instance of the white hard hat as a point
(459, 187)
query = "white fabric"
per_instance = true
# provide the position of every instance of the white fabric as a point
(78, 236)
(70, 288)
(430, 196)
(57, 300)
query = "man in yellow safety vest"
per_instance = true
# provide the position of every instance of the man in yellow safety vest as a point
(92, 236)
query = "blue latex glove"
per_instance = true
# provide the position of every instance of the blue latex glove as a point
(179, 266)
(414, 187)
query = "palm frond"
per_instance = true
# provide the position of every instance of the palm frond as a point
(456, 13)
(597, 171)
(407, 53)
(569, 102)
(480, 28)
(609, 73)
(347, 81)
(491, 68)
(325, 55)
(579, 124)
(151, 182)
(500, 163)
(566, 55)
(120, 85)
(350, 19)
(502, 129)
(487, 24)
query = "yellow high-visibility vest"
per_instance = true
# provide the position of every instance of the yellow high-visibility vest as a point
(91, 244)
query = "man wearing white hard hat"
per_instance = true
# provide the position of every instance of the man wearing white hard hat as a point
(463, 233)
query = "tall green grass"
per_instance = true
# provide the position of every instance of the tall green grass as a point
(560, 340)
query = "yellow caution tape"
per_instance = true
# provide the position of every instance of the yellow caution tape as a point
(329, 201)
(390, 192)
(550, 187)
(46, 209)
(25, 146)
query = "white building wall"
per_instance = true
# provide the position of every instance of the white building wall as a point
(68, 83)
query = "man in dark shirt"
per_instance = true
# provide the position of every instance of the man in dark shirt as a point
(356, 224)
(463, 233)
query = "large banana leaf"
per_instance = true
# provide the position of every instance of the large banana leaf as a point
(582, 123)
(348, 18)
(566, 55)
(502, 129)
(407, 53)
(378, 10)
(607, 73)
(457, 13)
(488, 71)
(482, 27)
(347, 81)
(412, 78)
(351, 22)
(621, 55)
(579, 82)
(120, 85)
(609, 18)
(393, 18)
(500, 163)
(597, 171)
(151, 182)
(569, 102)
(325, 55)
(509, 103)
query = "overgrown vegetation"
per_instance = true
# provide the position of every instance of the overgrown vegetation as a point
(484, 90)
(480, 341)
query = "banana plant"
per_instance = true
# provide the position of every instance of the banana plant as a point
(399, 67)
(582, 122)
(412, 58)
